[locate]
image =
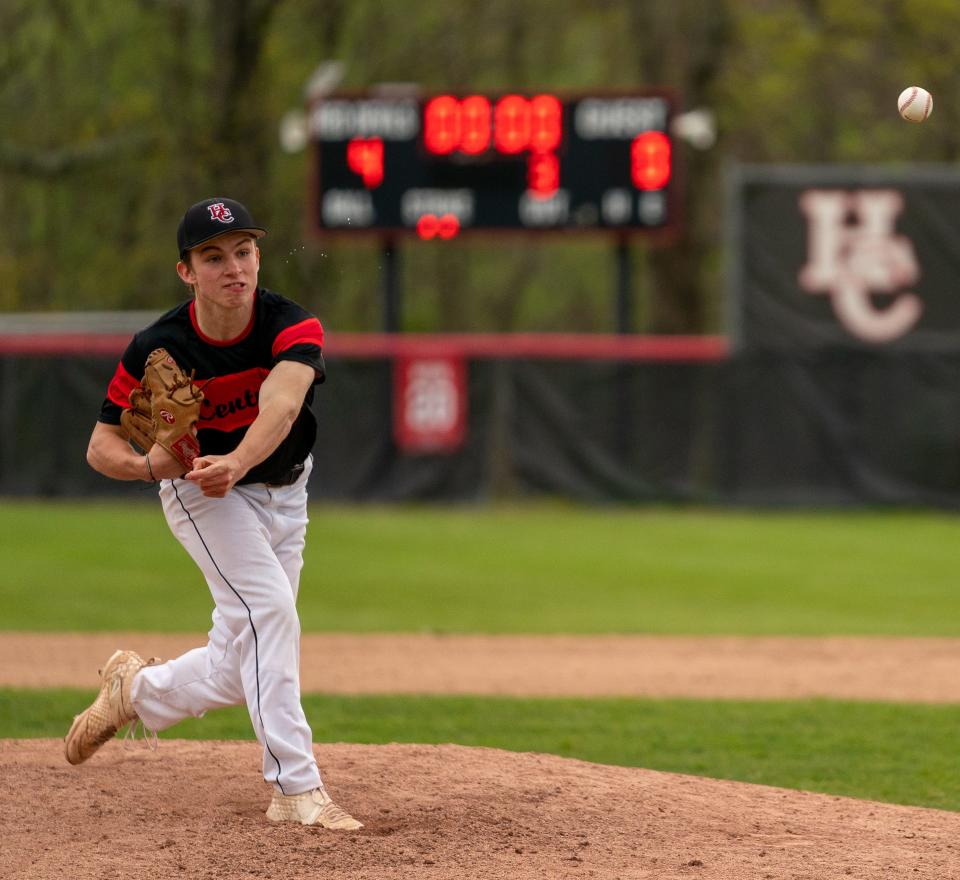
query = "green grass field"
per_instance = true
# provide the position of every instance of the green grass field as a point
(901, 754)
(532, 569)
(540, 569)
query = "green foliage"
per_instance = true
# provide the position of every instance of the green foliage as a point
(117, 116)
(535, 569)
(887, 752)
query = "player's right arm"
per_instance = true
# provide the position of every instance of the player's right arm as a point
(110, 454)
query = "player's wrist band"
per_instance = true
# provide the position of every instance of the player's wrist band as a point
(153, 479)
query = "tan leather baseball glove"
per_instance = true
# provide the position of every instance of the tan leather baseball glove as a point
(165, 409)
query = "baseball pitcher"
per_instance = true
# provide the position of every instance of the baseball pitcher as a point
(216, 394)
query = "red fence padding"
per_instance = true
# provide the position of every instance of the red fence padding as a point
(52, 344)
(547, 346)
(531, 345)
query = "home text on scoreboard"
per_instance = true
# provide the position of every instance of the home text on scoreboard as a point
(441, 165)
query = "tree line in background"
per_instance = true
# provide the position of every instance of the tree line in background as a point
(117, 116)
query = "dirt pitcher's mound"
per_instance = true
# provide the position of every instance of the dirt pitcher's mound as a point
(195, 810)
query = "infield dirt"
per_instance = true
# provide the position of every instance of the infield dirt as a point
(196, 809)
(842, 667)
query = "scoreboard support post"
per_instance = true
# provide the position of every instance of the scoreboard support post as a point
(623, 313)
(390, 283)
(623, 305)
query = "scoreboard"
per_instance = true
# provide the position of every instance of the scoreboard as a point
(445, 164)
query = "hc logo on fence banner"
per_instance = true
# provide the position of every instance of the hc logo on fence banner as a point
(853, 253)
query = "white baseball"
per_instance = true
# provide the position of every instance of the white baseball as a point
(915, 104)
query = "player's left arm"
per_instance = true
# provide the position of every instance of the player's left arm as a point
(281, 398)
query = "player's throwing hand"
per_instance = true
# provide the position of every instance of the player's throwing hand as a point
(216, 474)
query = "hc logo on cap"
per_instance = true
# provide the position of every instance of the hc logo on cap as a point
(206, 220)
(219, 211)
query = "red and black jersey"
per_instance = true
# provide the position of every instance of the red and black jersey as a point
(230, 374)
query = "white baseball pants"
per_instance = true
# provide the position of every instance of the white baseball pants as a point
(249, 546)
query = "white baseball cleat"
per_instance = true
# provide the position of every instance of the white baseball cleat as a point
(311, 808)
(111, 710)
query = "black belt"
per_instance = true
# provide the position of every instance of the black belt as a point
(289, 478)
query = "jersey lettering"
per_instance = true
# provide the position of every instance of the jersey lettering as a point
(232, 401)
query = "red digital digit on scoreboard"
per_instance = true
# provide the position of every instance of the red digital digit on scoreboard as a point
(475, 124)
(650, 160)
(543, 175)
(546, 123)
(365, 158)
(442, 120)
(512, 124)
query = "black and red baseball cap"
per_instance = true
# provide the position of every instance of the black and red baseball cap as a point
(213, 217)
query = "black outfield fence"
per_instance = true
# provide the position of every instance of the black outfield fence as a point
(589, 418)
